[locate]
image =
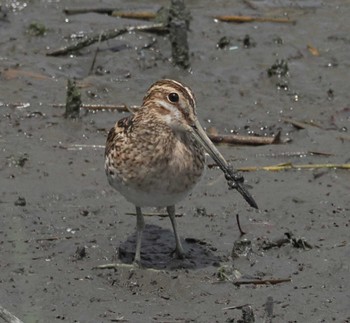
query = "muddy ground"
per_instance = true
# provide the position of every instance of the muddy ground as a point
(60, 219)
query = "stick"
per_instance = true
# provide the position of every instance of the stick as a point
(162, 215)
(143, 15)
(104, 36)
(8, 317)
(75, 11)
(239, 225)
(241, 19)
(122, 265)
(95, 55)
(286, 166)
(101, 107)
(245, 140)
(272, 281)
(237, 307)
(53, 238)
(300, 124)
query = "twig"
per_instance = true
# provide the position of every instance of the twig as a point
(53, 238)
(300, 124)
(95, 55)
(241, 19)
(286, 166)
(245, 140)
(271, 281)
(143, 15)
(8, 317)
(75, 11)
(81, 146)
(122, 265)
(120, 319)
(162, 215)
(343, 137)
(87, 41)
(239, 225)
(102, 107)
(237, 307)
(108, 266)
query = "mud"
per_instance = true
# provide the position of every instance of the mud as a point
(60, 219)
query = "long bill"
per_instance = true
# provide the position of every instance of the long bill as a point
(201, 136)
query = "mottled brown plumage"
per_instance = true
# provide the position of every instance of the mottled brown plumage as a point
(155, 157)
(148, 160)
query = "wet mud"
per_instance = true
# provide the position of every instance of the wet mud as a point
(60, 220)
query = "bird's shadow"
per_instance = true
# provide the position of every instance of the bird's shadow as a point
(157, 249)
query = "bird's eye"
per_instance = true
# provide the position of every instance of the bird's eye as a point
(173, 97)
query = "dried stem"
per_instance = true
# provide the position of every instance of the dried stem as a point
(162, 215)
(245, 140)
(271, 281)
(87, 41)
(142, 15)
(241, 19)
(239, 225)
(8, 317)
(102, 107)
(76, 11)
(286, 166)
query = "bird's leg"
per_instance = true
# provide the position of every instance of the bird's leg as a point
(179, 250)
(140, 224)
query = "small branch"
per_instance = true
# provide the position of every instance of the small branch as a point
(239, 225)
(271, 281)
(286, 166)
(300, 124)
(76, 11)
(109, 266)
(53, 238)
(162, 215)
(116, 266)
(102, 107)
(142, 15)
(241, 19)
(237, 307)
(245, 140)
(81, 146)
(95, 55)
(87, 41)
(344, 137)
(8, 317)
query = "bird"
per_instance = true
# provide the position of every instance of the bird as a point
(156, 156)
